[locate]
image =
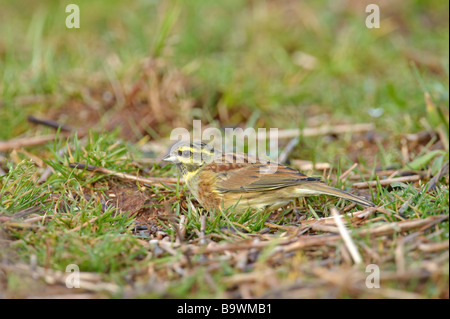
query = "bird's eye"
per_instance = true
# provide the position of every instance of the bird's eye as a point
(184, 153)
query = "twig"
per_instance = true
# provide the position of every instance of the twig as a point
(37, 218)
(386, 182)
(292, 229)
(395, 173)
(433, 181)
(434, 247)
(33, 141)
(344, 175)
(288, 149)
(154, 181)
(181, 230)
(355, 216)
(20, 225)
(27, 211)
(346, 237)
(202, 229)
(49, 123)
(320, 227)
(403, 226)
(322, 130)
(386, 173)
(311, 241)
(308, 165)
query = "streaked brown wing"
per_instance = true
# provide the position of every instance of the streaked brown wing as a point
(249, 177)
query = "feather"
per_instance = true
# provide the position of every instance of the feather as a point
(248, 178)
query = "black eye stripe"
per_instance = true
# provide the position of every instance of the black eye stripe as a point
(184, 153)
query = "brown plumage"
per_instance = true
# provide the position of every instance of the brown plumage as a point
(237, 180)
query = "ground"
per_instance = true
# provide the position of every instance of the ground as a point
(365, 109)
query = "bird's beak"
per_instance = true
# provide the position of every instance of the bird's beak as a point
(169, 158)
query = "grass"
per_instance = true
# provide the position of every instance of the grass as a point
(124, 83)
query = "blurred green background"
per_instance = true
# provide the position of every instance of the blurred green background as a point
(282, 64)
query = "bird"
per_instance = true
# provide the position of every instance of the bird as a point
(237, 181)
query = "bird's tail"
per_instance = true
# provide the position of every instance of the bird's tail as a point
(322, 188)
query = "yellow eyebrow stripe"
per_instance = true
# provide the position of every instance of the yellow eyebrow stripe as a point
(194, 150)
